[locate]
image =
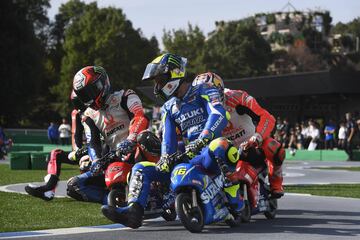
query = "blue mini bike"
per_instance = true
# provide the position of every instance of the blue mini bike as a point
(200, 199)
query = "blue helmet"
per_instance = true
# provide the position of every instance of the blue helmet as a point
(168, 71)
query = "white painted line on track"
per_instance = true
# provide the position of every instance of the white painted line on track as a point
(5, 188)
(62, 231)
(66, 231)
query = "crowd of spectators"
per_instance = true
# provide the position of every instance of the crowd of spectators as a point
(63, 132)
(313, 134)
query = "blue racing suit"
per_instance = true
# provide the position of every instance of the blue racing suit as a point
(199, 114)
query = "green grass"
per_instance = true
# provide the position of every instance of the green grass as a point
(340, 168)
(337, 190)
(8, 176)
(22, 212)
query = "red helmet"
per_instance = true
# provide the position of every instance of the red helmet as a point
(91, 84)
(76, 102)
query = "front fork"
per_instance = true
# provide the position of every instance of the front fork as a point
(245, 193)
(194, 198)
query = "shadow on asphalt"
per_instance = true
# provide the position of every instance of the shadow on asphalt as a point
(303, 222)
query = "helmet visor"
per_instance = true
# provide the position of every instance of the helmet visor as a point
(152, 70)
(89, 93)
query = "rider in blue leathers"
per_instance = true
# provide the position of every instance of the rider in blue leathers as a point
(197, 112)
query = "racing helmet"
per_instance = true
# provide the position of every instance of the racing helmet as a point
(92, 86)
(168, 71)
(213, 79)
(150, 145)
(76, 102)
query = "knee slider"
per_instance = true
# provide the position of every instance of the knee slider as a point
(73, 189)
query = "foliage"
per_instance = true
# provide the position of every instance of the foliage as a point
(281, 39)
(237, 50)
(352, 27)
(270, 18)
(190, 44)
(22, 59)
(103, 36)
(327, 19)
(305, 61)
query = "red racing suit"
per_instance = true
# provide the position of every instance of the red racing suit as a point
(244, 110)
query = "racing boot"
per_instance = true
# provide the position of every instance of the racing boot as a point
(276, 180)
(129, 216)
(39, 192)
(45, 192)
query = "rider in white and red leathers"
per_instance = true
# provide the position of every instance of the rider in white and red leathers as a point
(244, 110)
(80, 155)
(119, 116)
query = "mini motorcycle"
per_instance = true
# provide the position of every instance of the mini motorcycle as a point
(116, 173)
(116, 181)
(160, 201)
(200, 199)
(255, 189)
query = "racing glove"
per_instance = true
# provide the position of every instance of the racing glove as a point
(78, 154)
(125, 147)
(254, 141)
(97, 168)
(194, 147)
(84, 164)
(163, 165)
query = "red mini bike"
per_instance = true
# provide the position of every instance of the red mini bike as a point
(255, 189)
(116, 175)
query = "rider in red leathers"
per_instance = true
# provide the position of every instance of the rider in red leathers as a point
(243, 110)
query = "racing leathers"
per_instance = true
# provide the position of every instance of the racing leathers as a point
(79, 155)
(200, 117)
(121, 119)
(244, 111)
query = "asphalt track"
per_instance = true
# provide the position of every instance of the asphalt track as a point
(299, 216)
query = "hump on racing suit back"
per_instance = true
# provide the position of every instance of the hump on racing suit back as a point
(247, 117)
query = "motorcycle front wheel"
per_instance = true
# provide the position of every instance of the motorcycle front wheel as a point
(271, 213)
(117, 197)
(191, 217)
(246, 212)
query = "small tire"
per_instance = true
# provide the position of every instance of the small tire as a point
(272, 209)
(246, 212)
(169, 214)
(191, 217)
(117, 197)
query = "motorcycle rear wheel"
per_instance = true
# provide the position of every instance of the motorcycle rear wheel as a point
(191, 217)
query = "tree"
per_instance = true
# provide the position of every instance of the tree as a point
(237, 50)
(103, 36)
(189, 44)
(305, 61)
(22, 59)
